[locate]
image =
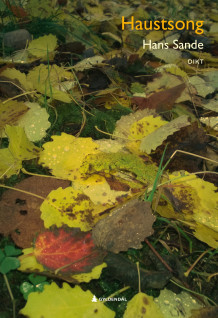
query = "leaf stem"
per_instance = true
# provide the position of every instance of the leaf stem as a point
(11, 294)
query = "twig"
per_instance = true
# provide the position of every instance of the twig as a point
(158, 255)
(197, 260)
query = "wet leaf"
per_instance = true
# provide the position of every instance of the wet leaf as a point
(176, 305)
(65, 154)
(35, 122)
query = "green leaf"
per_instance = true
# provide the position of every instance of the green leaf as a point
(64, 302)
(8, 264)
(10, 250)
(2, 256)
(26, 288)
(36, 279)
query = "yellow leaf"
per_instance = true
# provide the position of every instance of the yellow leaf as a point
(173, 69)
(98, 190)
(43, 46)
(19, 146)
(65, 154)
(52, 74)
(142, 306)
(94, 274)
(143, 128)
(14, 74)
(207, 235)
(9, 165)
(195, 201)
(28, 262)
(64, 302)
(54, 93)
(71, 207)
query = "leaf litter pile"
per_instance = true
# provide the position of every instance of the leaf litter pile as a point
(108, 161)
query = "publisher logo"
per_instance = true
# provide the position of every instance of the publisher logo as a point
(94, 299)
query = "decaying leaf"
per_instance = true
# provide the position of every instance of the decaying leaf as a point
(153, 140)
(20, 213)
(115, 162)
(72, 207)
(207, 312)
(142, 306)
(121, 268)
(98, 190)
(202, 87)
(126, 227)
(190, 138)
(195, 201)
(160, 101)
(64, 302)
(10, 112)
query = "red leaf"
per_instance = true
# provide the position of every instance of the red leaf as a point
(67, 250)
(161, 101)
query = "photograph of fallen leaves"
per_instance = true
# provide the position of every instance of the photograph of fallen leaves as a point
(108, 158)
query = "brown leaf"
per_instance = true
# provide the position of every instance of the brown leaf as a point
(161, 101)
(191, 139)
(126, 227)
(19, 212)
